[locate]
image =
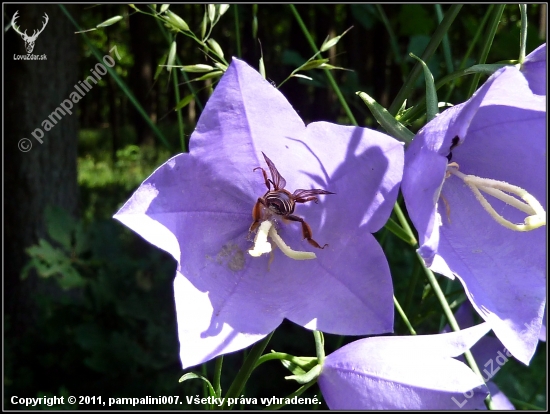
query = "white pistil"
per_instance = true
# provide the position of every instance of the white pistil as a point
(262, 246)
(293, 254)
(498, 189)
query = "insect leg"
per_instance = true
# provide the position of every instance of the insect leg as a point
(306, 231)
(305, 200)
(267, 180)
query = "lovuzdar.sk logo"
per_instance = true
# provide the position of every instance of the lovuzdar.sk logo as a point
(29, 40)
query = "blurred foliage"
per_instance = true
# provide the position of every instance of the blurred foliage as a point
(113, 333)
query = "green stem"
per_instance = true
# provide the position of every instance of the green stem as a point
(393, 39)
(248, 366)
(179, 115)
(408, 86)
(470, 49)
(439, 294)
(489, 37)
(205, 385)
(330, 78)
(404, 223)
(237, 31)
(451, 318)
(275, 355)
(319, 347)
(448, 287)
(397, 231)
(445, 43)
(218, 376)
(189, 84)
(413, 281)
(523, 33)
(403, 316)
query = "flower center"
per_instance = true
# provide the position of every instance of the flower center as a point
(262, 245)
(499, 189)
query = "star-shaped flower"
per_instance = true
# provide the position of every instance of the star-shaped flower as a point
(451, 167)
(404, 373)
(198, 206)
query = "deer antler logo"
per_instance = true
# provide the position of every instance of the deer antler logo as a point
(29, 40)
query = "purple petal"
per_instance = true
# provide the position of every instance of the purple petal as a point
(502, 271)
(403, 373)
(425, 165)
(500, 400)
(198, 207)
(534, 70)
(201, 338)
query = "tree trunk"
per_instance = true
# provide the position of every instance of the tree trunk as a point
(40, 163)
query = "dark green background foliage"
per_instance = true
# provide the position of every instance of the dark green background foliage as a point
(102, 319)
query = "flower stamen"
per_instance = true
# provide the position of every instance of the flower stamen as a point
(536, 215)
(262, 246)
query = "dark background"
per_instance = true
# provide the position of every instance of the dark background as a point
(88, 305)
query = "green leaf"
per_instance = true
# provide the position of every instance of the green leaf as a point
(60, 226)
(312, 64)
(160, 65)
(299, 75)
(307, 377)
(487, 69)
(398, 231)
(332, 67)
(214, 74)
(171, 56)
(327, 44)
(211, 12)
(221, 66)
(192, 375)
(176, 22)
(299, 365)
(222, 8)
(384, 118)
(184, 102)
(216, 47)
(110, 21)
(198, 68)
(262, 67)
(431, 94)
(204, 25)
(49, 261)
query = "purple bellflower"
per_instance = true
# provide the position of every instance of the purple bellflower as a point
(198, 207)
(404, 373)
(464, 172)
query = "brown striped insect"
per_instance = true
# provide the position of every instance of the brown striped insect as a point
(280, 202)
